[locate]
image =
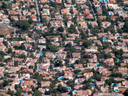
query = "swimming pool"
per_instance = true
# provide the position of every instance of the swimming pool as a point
(101, 1)
(39, 66)
(39, 24)
(100, 59)
(10, 1)
(28, 44)
(97, 64)
(105, 1)
(117, 35)
(75, 92)
(57, 53)
(68, 88)
(118, 60)
(115, 90)
(60, 78)
(41, 53)
(110, 13)
(121, 13)
(20, 81)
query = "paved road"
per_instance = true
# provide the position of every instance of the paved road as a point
(4, 25)
(93, 10)
(37, 8)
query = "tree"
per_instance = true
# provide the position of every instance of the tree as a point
(52, 48)
(4, 5)
(15, 63)
(60, 29)
(58, 63)
(99, 21)
(37, 93)
(18, 92)
(51, 30)
(125, 28)
(39, 79)
(62, 89)
(9, 50)
(87, 43)
(70, 83)
(10, 92)
(72, 29)
(23, 24)
(106, 45)
(77, 71)
(126, 92)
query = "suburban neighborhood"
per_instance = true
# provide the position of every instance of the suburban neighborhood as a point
(64, 48)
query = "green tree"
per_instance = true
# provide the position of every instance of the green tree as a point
(52, 48)
(37, 93)
(70, 83)
(99, 21)
(87, 43)
(58, 63)
(72, 29)
(23, 24)
(4, 5)
(10, 92)
(18, 92)
(62, 89)
(126, 93)
(60, 29)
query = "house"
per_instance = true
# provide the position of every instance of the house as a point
(42, 40)
(80, 1)
(108, 94)
(2, 48)
(106, 24)
(78, 66)
(34, 18)
(50, 55)
(28, 83)
(45, 83)
(59, 1)
(87, 92)
(82, 24)
(88, 75)
(76, 55)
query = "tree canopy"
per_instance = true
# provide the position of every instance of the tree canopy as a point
(23, 24)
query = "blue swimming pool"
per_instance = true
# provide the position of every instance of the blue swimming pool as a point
(71, 63)
(10, 1)
(121, 13)
(105, 1)
(79, 75)
(117, 35)
(115, 90)
(41, 53)
(57, 53)
(68, 88)
(75, 92)
(39, 24)
(98, 7)
(118, 60)
(110, 13)
(92, 85)
(101, 1)
(28, 44)
(20, 81)
(104, 38)
(100, 59)
(60, 78)
(97, 64)
(39, 66)
(121, 39)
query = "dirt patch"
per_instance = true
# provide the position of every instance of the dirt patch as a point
(5, 31)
